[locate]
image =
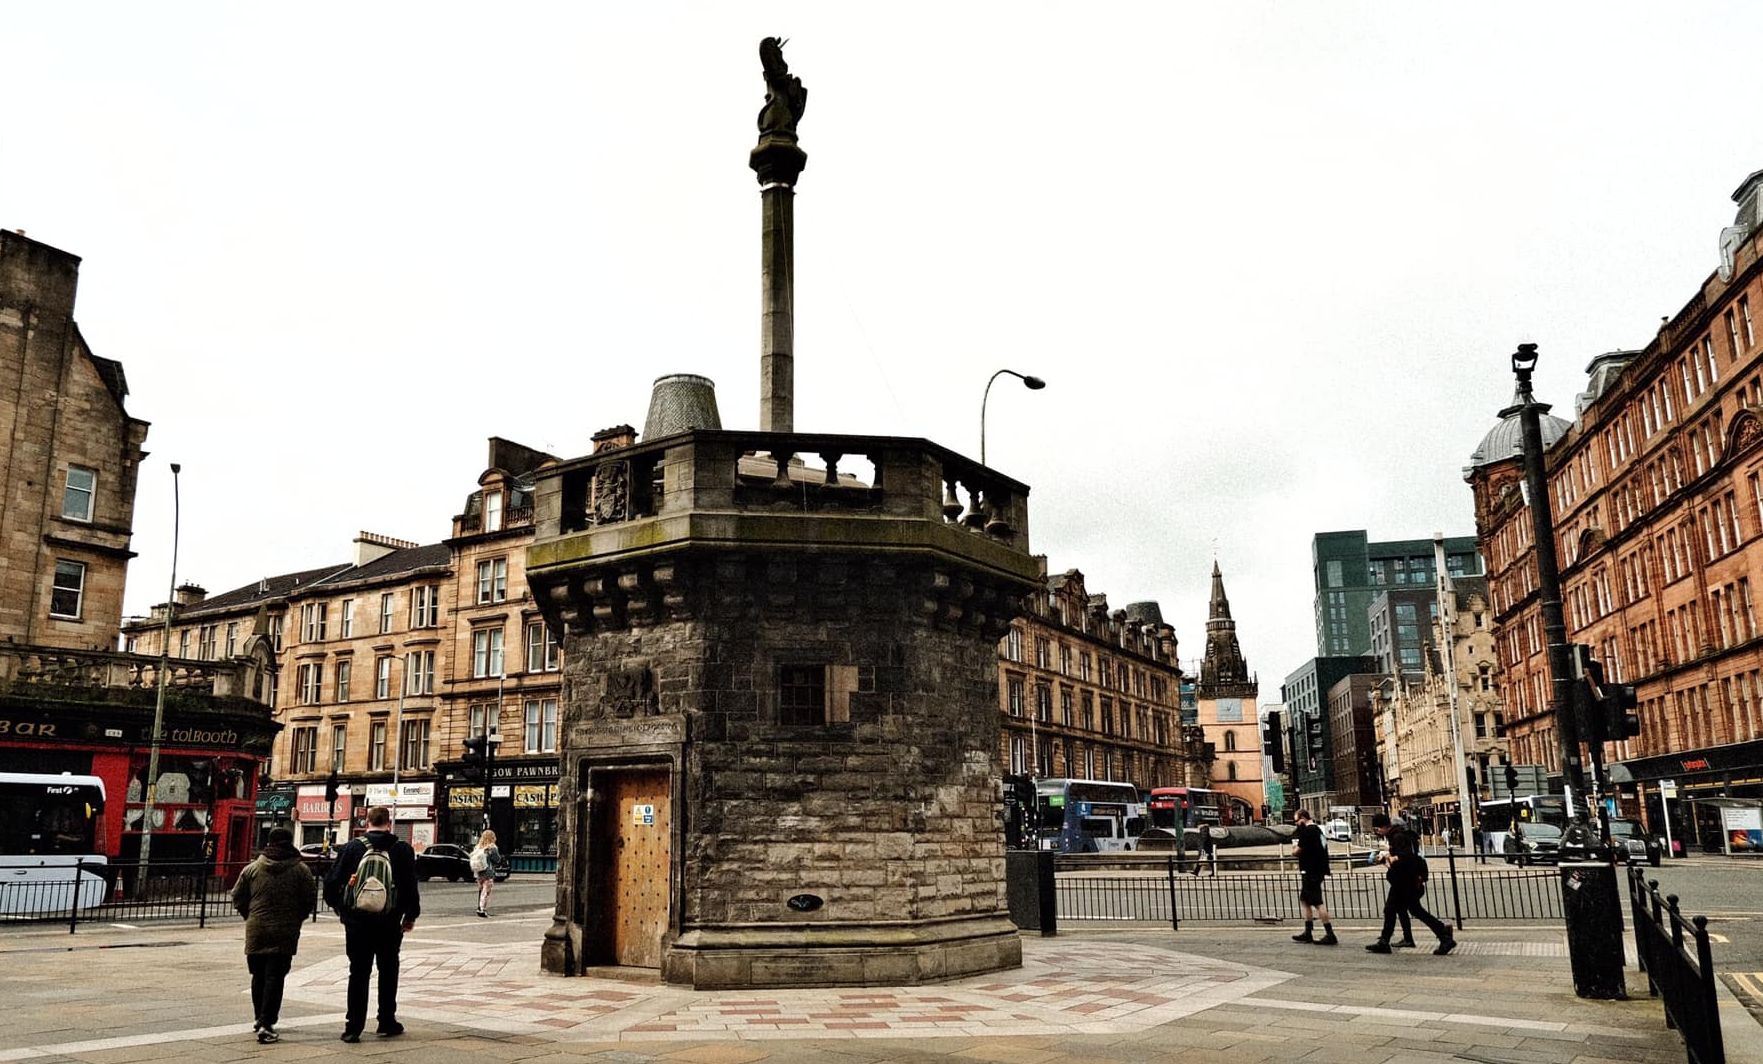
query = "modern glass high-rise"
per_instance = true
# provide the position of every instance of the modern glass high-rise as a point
(1350, 570)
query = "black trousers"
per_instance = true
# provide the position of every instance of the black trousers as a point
(369, 945)
(1403, 902)
(269, 973)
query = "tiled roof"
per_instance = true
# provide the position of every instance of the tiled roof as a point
(260, 591)
(395, 563)
(276, 587)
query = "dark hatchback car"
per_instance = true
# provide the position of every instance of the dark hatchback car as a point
(1534, 844)
(444, 860)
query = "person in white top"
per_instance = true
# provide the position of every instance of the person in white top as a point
(484, 859)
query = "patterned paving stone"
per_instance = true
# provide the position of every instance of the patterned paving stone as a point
(1063, 988)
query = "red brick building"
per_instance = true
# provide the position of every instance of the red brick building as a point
(1657, 488)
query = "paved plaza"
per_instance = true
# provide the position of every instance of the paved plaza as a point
(472, 992)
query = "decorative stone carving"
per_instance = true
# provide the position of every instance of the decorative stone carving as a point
(630, 693)
(612, 483)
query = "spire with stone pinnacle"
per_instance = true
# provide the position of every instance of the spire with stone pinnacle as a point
(1223, 665)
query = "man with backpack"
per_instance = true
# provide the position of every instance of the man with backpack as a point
(372, 889)
(1407, 877)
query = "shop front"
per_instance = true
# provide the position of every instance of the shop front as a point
(275, 809)
(211, 755)
(413, 809)
(522, 811)
(321, 819)
(1701, 799)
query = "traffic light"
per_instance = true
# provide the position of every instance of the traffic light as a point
(1270, 743)
(1511, 779)
(1469, 777)
(330, 788)
(475, 764)
(1621, 711)
(1610, 709)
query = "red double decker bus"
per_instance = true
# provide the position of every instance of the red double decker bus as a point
(1189, 807)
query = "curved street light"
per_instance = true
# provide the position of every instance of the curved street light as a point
(1033, 384)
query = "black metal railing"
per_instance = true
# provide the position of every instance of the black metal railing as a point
(1679, 972)
(98, 893)
(1189, 889)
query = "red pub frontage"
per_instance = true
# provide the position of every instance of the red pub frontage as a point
(58, 714)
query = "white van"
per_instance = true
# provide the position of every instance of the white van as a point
(1337, 831)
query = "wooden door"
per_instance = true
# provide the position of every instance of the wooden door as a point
(638, 806)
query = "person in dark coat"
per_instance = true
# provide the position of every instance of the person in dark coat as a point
(1312, 851)
(372, 939)
(275, 894)
(1407, 879)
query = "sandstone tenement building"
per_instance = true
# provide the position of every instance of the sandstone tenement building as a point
(1089, 693)
(69, 702)
(69, 452)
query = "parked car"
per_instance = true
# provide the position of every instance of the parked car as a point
(314, 855)
(1337, 831)
(1534, 843)
(444, 860)
(1631, 844)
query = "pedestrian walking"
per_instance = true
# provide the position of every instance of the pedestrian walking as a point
(1406, 876)
(372, 888)
(274, 895)
(1208, 853)
(1312, 850)
(484, 859)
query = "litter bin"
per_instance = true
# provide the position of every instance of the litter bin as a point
(1593, 906)
(1029, 883)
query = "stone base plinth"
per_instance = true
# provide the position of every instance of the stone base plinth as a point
(895, 953)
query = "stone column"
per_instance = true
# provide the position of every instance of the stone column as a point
(778, 161)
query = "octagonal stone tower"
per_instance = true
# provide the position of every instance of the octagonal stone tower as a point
(780, 709)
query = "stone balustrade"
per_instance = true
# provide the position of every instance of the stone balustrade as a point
(25, 668)
(736, 472)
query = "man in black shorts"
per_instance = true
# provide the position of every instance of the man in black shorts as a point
(1312, 850)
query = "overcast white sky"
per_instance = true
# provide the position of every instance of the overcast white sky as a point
(1270, 257)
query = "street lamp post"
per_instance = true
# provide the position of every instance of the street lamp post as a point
(1530, 419)
(492, 741)
(1590, 897)
(156, 736)
(1033, 384)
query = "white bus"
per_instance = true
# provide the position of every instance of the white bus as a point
(1088, 816)
(49, 838)
(1498, 816)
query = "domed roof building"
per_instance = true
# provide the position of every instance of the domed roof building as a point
(1503, 440)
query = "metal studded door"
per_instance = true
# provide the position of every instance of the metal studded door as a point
(640, 866)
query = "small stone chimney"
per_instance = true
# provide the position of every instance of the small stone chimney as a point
(613, 438)
(370, 546)
(188, 595)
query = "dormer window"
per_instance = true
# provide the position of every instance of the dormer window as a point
(492, 511)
